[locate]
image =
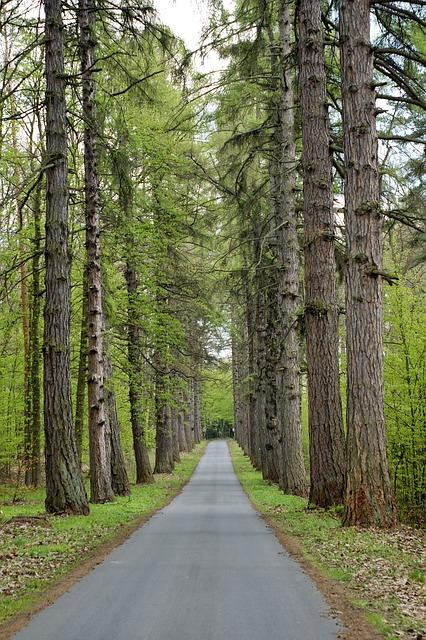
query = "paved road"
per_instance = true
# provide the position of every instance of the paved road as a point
(204, 568)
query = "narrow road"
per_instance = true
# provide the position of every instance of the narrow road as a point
(204, 568)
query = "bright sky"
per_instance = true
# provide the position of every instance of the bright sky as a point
(187, 18)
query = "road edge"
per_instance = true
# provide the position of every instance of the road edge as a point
(356, 627)
(60, 585)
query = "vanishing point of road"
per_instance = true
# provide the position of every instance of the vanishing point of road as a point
(206, 567)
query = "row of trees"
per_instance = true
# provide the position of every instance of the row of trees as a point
(95, 147)
(273, 204)
(311, 194)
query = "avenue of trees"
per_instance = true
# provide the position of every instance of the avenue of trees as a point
(155, 220)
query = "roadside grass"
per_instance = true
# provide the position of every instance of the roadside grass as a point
(383, 571)
(37, 549)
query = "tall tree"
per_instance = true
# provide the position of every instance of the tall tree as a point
(288, 384)
(369, 496)
(64, 485)
(99, 444)
(326, 439)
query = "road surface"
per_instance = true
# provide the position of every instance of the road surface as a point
(204, 568)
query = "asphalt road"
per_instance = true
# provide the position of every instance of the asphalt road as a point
(204, 568)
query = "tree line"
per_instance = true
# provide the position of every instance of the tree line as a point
(325, 187)
(156, 218)
(104, 300)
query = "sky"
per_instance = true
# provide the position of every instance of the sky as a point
(187, 18)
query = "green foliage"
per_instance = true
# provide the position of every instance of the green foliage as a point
(405, 390)
(217, 400)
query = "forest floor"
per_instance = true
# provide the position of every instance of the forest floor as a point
(381, 572)
(41, 555)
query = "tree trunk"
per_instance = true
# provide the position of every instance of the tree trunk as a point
(369, 496)
(197, 408)
(175, 434)
(143, 465)
(64, 485)
(326, 439)
(119, 478)
(288, 385)
(100, 464)
(35, 343)
(82, 372)
(163, 427)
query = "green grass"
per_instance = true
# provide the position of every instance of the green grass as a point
(35, 555)
(382, 571)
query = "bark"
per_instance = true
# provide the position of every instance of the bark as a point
(175, 434)
(326, 439)
(100, 464)
(143, 465)
(64, 486)
(119, 478)
(163, 426)
(82, 373)
(369, 496)
(197, 409)
(189, 418)
(272, 435)
(288, 385)
(35, 344)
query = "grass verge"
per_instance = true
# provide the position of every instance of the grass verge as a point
(382, 572)
(37, 551)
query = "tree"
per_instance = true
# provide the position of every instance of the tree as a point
(64, 486)
(99, 444)
(292, 478)
(369, 496)
(326, 440)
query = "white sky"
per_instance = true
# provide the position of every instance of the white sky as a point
(187, 18)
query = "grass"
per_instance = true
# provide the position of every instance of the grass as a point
(382, 571)
(35, 553)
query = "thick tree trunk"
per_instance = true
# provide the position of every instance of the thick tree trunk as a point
(369, 496)
(189, 418)
(288, 385)
(100, 464)
(326, 439)
(197, 408)
(119, 478)
(175, 434)
(35, 344)
(272, 434)
(181, 432)
(64, 486)
(143, 465)
(163, 426)
(82, 372)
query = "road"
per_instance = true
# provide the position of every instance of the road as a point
(206, 567)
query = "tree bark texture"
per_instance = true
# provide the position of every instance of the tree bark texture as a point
(369, 496)
(143, 465)
(119, 478)
(288, 385)
(163, 427)
(326, 439)
(82, 372)
(100, 464)
(64, 486)
(35, 344)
